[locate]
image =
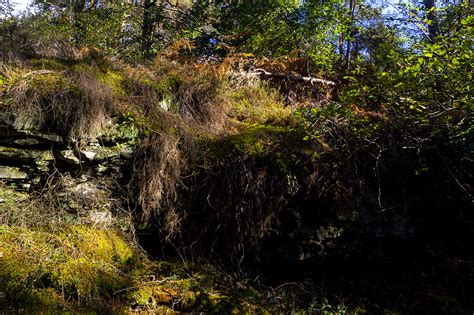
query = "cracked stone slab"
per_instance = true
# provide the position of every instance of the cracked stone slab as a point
(9, 172)
(26, 155)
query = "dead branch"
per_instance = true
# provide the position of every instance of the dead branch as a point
(311, 80)
(37, 72)
(144, 284)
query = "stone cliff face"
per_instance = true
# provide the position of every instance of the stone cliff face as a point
(281, 205)
(290, 212)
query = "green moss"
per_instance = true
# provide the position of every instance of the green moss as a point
(169, 83)
(77, 262)
(192, 288)
(214, 302)
(256, 140)
(83, 269)
(51, 82)
(113, 80)
(83, 66)
(3, 81)
(47, 64)
(278, 145)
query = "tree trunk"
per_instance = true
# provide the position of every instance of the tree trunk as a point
(433, 25)
(147, 27)
(127, 8)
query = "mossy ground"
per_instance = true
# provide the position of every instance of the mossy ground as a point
(80, 268)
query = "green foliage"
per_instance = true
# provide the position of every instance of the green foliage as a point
(425, 90)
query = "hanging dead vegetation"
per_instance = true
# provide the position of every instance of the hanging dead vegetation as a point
(158, 165)
(240, 206)
(195, 93)
(74, 104)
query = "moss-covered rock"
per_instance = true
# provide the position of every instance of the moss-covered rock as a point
(26, 155)
(12, 173)
(27, 137)
(124, 133)
(99, 154)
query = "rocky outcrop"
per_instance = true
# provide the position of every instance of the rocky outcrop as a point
(84, 176)
(265, 195)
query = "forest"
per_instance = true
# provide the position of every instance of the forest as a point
(237, 156)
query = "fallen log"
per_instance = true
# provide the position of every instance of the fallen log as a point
(311, 80)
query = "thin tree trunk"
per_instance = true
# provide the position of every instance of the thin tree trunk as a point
(341, 35)
(433, 25)
(147, 27)
(349, 40)
(126, 18)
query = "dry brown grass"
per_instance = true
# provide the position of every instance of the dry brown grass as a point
(20, 209)
(197, 93)
(198, 100)
(158, 165)
(91, 112)
(140, 87)
(173, 95)
(75, 105)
